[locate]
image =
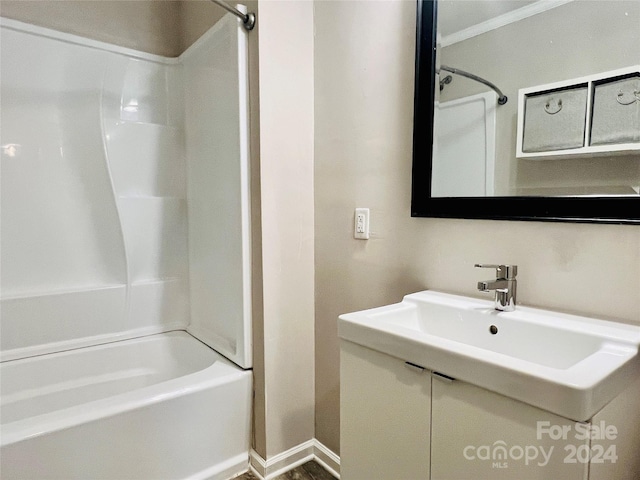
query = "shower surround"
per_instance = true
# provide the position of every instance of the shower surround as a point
(125, 214)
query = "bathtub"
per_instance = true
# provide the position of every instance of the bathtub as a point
(158, 407)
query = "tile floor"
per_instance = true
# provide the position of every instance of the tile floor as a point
(307, 471)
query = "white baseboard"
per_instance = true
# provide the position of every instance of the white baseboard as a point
(285, 461)
(327, 458)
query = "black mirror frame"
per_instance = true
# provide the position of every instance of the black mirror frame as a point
(605, 209)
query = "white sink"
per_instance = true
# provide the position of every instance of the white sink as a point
(566, 364)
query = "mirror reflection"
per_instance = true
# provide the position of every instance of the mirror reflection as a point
(570, 122)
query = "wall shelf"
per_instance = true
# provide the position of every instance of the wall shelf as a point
(586, 150)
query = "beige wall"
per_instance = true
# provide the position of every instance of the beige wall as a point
(364, 54)
(197, 16)
(258, 441)
(286, 156)
(147, 25)
(162, 27)
(576, 39)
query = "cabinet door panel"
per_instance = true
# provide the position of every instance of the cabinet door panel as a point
(384, 426)
(478, 435)
(622, 443)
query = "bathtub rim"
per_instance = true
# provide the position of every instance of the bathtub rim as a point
(22, 353)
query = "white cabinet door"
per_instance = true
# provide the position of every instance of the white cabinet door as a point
(615, 442)
(478, 435)
(385, 415)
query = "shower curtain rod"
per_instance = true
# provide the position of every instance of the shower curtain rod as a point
(502, 98)
(248, 19)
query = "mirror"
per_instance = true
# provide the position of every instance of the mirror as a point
(551, 150)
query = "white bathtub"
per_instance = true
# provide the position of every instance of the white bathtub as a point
(159, 407)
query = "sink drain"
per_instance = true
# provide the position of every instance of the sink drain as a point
(493, 329)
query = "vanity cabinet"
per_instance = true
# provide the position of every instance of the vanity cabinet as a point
(384, 416)
(623, 412)
(477, 434)
(401, 422)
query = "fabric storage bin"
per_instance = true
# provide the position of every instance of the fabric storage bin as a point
(555, 120)
(616, 112)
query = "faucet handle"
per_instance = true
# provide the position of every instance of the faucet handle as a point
(508, 272)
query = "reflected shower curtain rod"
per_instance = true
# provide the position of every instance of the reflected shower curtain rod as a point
(248, 19)
(502, 98)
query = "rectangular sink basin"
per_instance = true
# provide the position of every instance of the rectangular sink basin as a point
(566, 364)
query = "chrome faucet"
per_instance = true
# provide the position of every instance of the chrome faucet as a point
(504, 285)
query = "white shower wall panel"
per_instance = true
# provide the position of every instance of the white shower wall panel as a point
(95, 141)
(143, 89)
(143, 159)
(155, 230)
(159, 302)
(216, 141)
(60, 227)
(143, 127)
(94, 244)
(145, 144)
(33, 325)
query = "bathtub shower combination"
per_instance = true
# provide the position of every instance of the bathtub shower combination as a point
(126, 302)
